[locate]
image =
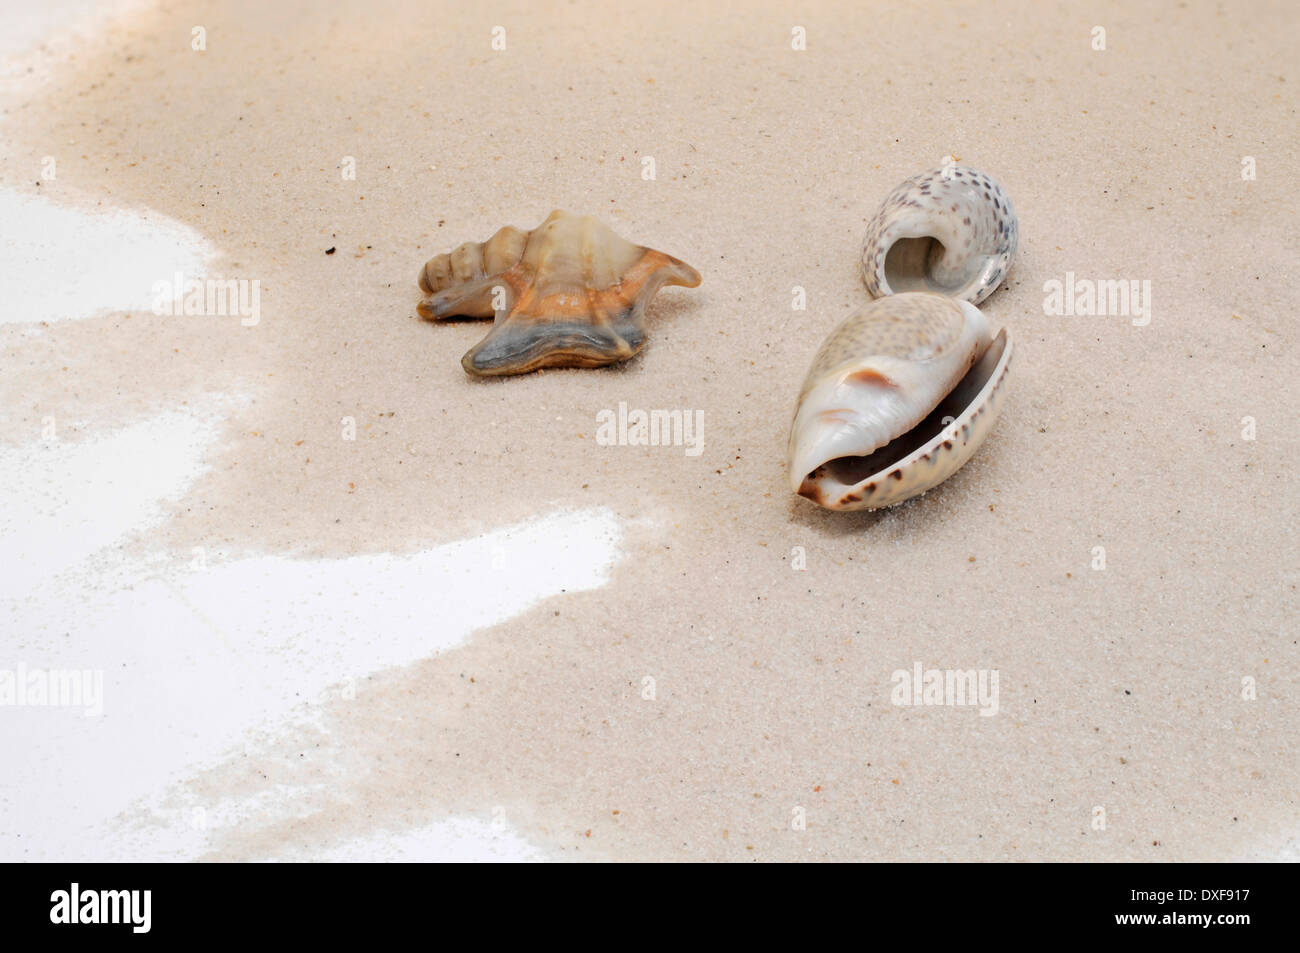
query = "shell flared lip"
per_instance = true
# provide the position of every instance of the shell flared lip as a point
(923, 457)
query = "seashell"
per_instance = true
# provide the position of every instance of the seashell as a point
(951, 230)
(570, 293)
(897, 400)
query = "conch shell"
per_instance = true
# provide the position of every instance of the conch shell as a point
(897, 400)
(951, 230)
(570, 293)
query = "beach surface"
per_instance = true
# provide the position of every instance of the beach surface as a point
(347, 602)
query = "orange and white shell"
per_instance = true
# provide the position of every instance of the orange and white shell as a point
(569, 293)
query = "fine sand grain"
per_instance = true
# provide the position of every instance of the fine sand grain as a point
(711, 700)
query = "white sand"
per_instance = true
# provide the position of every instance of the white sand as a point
(688, 694)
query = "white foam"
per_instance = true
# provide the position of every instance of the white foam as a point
(455, 840)
(64, 263)
(66, 499)
(195, 658)
(29, 25)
